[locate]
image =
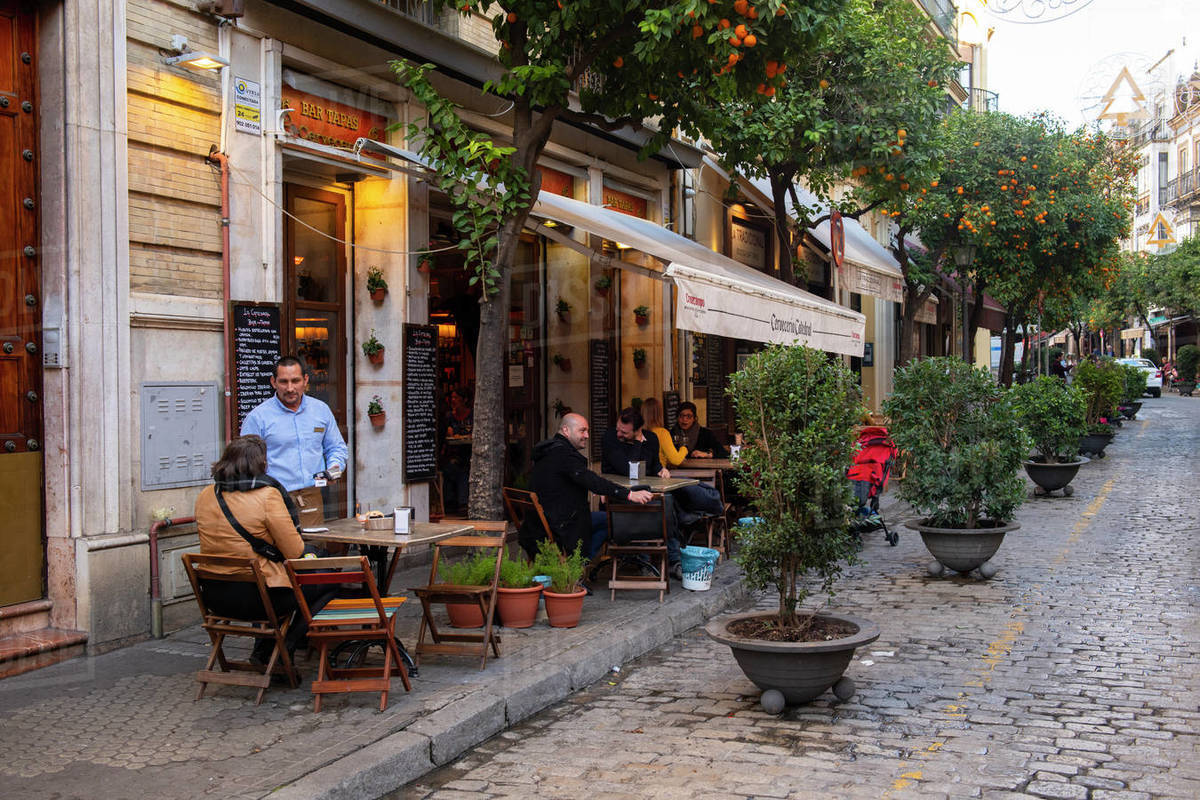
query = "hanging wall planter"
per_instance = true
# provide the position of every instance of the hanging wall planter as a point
(639, 357)
(376, 284)
(563, 309)
(425, 264)
(602, 285)
(562, 362)
(641, 315)
(373, 349)
(375, 412)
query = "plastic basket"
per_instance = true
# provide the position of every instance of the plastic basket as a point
(698, 564)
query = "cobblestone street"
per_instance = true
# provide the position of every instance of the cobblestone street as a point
(1072, 674)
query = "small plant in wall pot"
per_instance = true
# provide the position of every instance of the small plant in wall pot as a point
(376, 284)
(561, 409)
(562, 362)
(425, 263)
(603, 284)
(375, 412)
(641, 315)
(563, 309)
(373, 349)
(639, 357)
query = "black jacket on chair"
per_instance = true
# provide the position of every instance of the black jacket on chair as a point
(562, 480)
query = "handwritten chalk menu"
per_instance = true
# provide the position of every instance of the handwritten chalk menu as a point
(600, 383)
(699, 344)
(256, 348)
(420, 402)
(670, 409)
(715, 375)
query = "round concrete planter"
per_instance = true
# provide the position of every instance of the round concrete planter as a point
(1052, 477)
(800, 670)
(1093, 444)
(1130, 410)
(962, 549)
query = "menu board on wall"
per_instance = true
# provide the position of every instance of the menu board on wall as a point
(420, 402)
(256, 348)
(670, 409)
(600, 384)
(714, 363)
(699, 374)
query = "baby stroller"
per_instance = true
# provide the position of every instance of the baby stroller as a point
(870, 472)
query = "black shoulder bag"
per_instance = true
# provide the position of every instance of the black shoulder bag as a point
(261, 547)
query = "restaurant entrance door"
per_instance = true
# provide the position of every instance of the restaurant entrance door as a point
(315, 304)
(22, 560)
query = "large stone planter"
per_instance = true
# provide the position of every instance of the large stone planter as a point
(1093, 444)
(1130, 410)
(800, 670)
(962, 549)
(1052, 477)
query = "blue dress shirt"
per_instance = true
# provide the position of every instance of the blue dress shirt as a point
(300, 443)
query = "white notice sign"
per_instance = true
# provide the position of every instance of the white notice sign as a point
(247, 106)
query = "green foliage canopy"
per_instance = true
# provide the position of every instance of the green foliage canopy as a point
(1053, 414)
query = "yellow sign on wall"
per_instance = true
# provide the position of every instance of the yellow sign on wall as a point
(1161, 232)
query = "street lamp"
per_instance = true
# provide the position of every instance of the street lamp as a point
(964, 256)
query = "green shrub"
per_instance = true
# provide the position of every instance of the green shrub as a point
(564, 573)
(797, 410)
(1102, 384)
(1054, 415)
(964, 446)
(1186, 361)
(516, 573)
(1135, 383)
(1152, 354)
(474, 570)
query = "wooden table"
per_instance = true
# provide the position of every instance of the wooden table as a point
(708, 463)
(375, 544)
(653, 483)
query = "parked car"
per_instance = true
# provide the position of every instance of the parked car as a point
(1154, 376)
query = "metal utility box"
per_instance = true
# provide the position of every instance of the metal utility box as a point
(180, 434)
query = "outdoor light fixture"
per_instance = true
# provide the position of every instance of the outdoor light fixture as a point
(186, 57)
(964, 256)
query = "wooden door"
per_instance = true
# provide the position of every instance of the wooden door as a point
(21, 537)
(315, 306)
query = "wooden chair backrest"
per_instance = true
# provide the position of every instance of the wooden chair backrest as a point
(655, 506)
(199, 566)
(337, 570)
(468, 542)
(521, 504)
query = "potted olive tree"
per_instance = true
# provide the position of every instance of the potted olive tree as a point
(1054, 416)
(1102, 383)
(964, 448)
(797, 412)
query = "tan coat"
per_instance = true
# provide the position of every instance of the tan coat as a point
(263, 514)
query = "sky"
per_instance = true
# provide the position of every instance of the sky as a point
(1051, 65)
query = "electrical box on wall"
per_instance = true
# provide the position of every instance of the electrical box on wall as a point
(180, 434)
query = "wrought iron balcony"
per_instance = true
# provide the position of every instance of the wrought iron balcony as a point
(982, 100)
(1185, 189)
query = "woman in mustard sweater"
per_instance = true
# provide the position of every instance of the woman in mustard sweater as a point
(668, 455)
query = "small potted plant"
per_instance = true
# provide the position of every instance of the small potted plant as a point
(1102, 384)
(1055, 416)
(794, 460)
(375, 412)
(561, 409)
(562, 362)
(1135, 387)
(425, 263)
(603, 284)
(639, 357)
(471, 571)
(964, 450)
(373, 349)
(563, 309)
(641, 315)
(518, 596)
(376, 284)
(1186, 362)
(564, 596)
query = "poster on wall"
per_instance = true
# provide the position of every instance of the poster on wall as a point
(600, 385)
(420, 402)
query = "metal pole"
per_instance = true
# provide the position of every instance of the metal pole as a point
(966, 325)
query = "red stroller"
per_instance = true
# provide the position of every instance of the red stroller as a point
(870, 472)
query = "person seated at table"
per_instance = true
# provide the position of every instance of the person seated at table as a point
(456, 459)
(262, 507)
(700, 441)
(561, 479)
(692, 501)
(668, 453)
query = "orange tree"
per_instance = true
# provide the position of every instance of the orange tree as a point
(865, 98)
(605, 63)
(1045, 208)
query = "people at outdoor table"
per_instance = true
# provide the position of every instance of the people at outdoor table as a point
(264, 510)
(700, 441)
(668, 454)
(692, 501)
(561, 479)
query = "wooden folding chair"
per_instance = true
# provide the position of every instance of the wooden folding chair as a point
(230, 672)
(714, 527)
(484, 597)
(653, 546)
(369, 618)
(522, 505)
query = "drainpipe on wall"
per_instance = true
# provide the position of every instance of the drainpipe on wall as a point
(221, 161)
(156, 620)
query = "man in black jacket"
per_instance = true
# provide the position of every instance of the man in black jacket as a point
(562, 480)
(627, 441)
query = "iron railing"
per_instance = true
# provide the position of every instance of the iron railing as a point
(982, 100)
(425, 13)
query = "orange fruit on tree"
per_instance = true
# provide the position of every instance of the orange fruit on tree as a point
(735, 41)
(618, 62)
(697, 31)
(824, 83)
(779, 12)
(901, 133)
(752, 13)
(740, 6)
(750, 40)
(740, 31)
(723, 24)
(770, 91)
(512, 17)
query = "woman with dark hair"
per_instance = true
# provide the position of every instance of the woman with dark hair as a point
(244, 494)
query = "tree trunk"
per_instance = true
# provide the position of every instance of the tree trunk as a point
(1008, 349)
(914, 299)
(780, 180)
(976, 317)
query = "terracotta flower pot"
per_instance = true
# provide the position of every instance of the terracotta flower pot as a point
(378, 420)
(641, 319)
(378, 294)
(602, 291)
(464, 616)
(376, 357)
(518, 607)
(564, 610)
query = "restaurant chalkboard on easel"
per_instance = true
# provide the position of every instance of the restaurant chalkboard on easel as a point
(420, 402)
(600, 383)
(257, 343)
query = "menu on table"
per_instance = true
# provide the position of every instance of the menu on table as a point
(420, 402)
(257, 343)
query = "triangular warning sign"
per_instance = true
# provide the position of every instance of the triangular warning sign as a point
(1161, 232)
(1130, 104)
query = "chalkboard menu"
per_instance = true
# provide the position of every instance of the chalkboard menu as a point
(699, 351)
(420, 402)
(256, 348)
(600, 383)
(714, 367)
(670, 409)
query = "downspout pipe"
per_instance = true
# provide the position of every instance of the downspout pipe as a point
(156, 619)
(221, 161)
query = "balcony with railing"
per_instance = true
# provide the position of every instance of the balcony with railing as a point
(1151, 130)
(944, 15)
(424, 12)
(1185, 189)
(982, 100)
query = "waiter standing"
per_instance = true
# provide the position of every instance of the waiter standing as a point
(304, 445)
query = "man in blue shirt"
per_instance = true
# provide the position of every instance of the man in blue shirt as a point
(302, 439)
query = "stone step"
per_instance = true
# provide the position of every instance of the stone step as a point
(22, 652)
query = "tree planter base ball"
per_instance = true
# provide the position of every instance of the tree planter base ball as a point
(1053, 477)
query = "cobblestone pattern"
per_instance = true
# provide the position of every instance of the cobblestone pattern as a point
(1072, 674)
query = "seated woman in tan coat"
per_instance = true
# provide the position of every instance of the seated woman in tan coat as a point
(265, 512)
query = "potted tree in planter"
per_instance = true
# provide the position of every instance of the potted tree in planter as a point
(373, 349)
(375, 412)
(472, 571)
(1055, 416)
(1134, 388)
(797, 411)
(641, 315)
(518, 596)
(563, 309)
(639, 357)
(1186, 362)
(376, 284)
(964, 448)
(564, 596)
(1102, 384)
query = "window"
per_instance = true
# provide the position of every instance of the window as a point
(1183, 160)
(1162, 179)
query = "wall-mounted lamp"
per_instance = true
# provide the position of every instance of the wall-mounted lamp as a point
(184, 56)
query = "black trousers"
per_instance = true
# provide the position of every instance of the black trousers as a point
(242, 600)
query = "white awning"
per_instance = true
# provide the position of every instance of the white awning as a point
(718, 295)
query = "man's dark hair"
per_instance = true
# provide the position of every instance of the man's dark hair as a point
(631, 416)
(290, 361)
(688, 405)
(244, 457)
